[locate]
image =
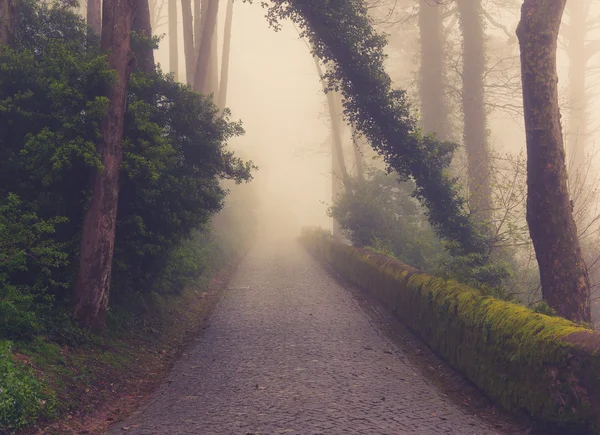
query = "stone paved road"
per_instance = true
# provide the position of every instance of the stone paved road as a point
(289, 351)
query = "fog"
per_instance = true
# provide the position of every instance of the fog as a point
(274, 89)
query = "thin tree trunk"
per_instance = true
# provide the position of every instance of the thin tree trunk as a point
(213, 78)
(98, 237)
(94, 15)
(339, 173)
(173, 41)
(563, 273)
(578, 101)
(434, 110)
(357, 142)
(222, 98)
(473, 102)
(334, 102)
(201, 79)
(200, 8)
(142, 25)
(188, 41)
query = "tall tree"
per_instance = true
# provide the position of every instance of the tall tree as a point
(563, 273)
(473, 103)
(92, 285)
(94, 15)
(142, 25)
(173, 39)
(7, 18)
(201, 74)
(213, 68)
(222, 98)
(200, 8)
(434, 109)
(188, 41)
(213, 63)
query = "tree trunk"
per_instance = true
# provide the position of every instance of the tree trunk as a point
(434, 110)
(473, 102)
(142, 25)
(357, 142)
(7, 22)
(173, 41)
(201, 78)
(577, 132)
(188, 41)
(97, 241)
(213, 77)
(564, 277)
(94, 15)
(200, 8)
(222, 99)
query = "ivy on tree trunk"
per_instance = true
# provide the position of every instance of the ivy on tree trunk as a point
(342, 36)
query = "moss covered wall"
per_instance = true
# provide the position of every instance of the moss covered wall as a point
(527, 362)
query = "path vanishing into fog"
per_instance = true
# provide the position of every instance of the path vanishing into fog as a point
(290, 351)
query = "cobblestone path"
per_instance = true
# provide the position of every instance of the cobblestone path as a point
(289, 351)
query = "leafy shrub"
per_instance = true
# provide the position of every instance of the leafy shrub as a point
(379, 211)
(52, 98)
(28, 259)
(23, 398)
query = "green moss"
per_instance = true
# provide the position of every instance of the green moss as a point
(518, 357)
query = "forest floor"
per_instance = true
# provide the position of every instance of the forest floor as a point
(105, 381)
(291, 348)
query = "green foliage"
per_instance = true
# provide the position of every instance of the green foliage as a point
(341, 35)
(174, 159)
(381, 247)
(543, 308)
(379, 212)
(490, 277)
(52, 99)
(23, 398)
(28, 258)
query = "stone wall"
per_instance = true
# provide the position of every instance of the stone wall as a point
(528, 362)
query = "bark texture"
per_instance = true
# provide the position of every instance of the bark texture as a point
(97, 242)
(173, 40)
(201, 79)
(94, 15)
(564, 276)
(7, 22)
(473, 104)
(222, 98)
(188, 41)
(434, 110)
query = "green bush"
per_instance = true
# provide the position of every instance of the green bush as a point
(52, 97)
(380, 211)
(23, 398)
